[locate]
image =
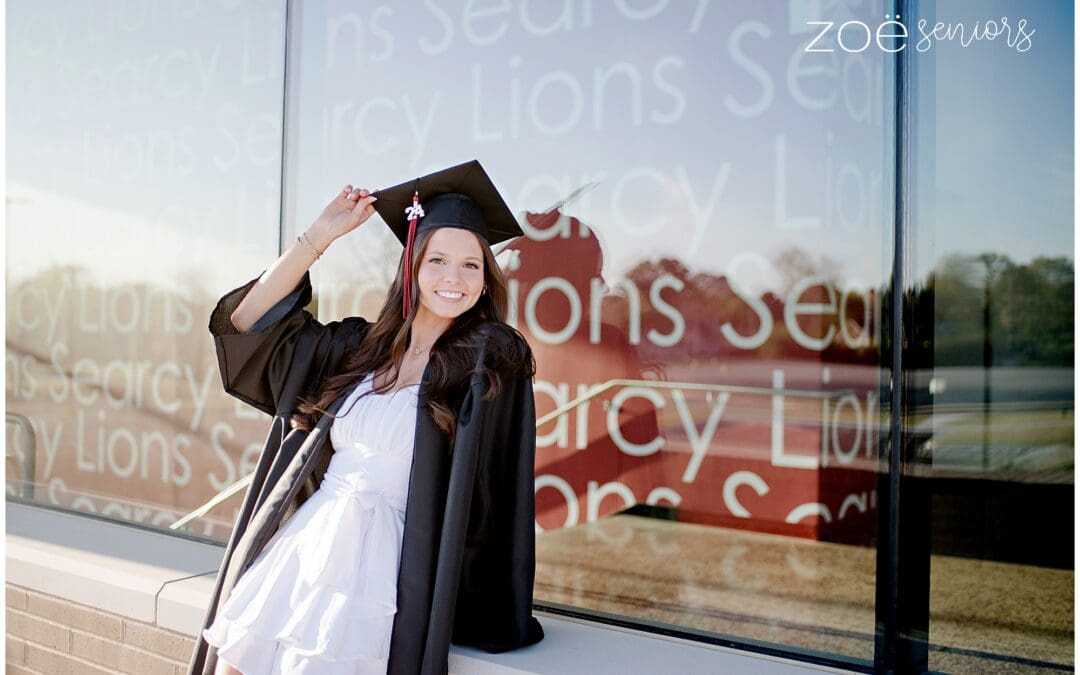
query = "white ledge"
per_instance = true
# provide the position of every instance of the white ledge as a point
(166, 580)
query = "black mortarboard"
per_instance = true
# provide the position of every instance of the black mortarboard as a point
(472, 202)
(460, 196)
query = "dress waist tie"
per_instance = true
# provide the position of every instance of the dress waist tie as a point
(361, 520)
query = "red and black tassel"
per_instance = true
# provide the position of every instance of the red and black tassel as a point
(415, 212)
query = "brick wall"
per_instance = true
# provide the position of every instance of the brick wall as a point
(47, 634)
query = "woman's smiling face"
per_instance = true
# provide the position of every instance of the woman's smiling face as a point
(451, 274)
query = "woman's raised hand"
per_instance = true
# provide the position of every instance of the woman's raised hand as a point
(345, 212)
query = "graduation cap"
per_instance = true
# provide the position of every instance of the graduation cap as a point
(460, 196)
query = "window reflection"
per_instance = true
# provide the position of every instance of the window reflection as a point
(143, 164)
(994, 411)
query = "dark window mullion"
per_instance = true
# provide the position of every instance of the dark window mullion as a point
(903, 554)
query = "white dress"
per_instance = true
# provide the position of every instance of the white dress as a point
(321, 596)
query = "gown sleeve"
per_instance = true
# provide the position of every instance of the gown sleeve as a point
(495, 591)
(285, 353)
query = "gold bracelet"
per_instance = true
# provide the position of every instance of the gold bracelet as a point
(303, 239)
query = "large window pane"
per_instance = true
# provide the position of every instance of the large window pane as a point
(143, 165)
(995, 268)
(716, 263)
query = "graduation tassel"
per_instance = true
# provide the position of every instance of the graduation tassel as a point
(414, 213)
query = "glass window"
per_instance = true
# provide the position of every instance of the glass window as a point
(703, 304)
(143, 172)
(994, 275)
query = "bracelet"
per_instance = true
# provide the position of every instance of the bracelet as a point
(303, 239)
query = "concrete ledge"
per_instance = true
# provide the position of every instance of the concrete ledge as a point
(182, 603)
(166, 581)
(109, 566)
(571, 646)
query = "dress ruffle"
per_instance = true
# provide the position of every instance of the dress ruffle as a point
(322, 598)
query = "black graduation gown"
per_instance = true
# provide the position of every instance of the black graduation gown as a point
(468, 554)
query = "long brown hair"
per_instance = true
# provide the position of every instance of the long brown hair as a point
(451, 359)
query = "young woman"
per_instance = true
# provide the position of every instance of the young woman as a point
(419, 432)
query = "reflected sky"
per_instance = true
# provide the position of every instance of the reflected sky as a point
(711, 136)
(143, 138)
(994, 130)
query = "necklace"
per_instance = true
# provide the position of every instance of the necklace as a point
(416, 351)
